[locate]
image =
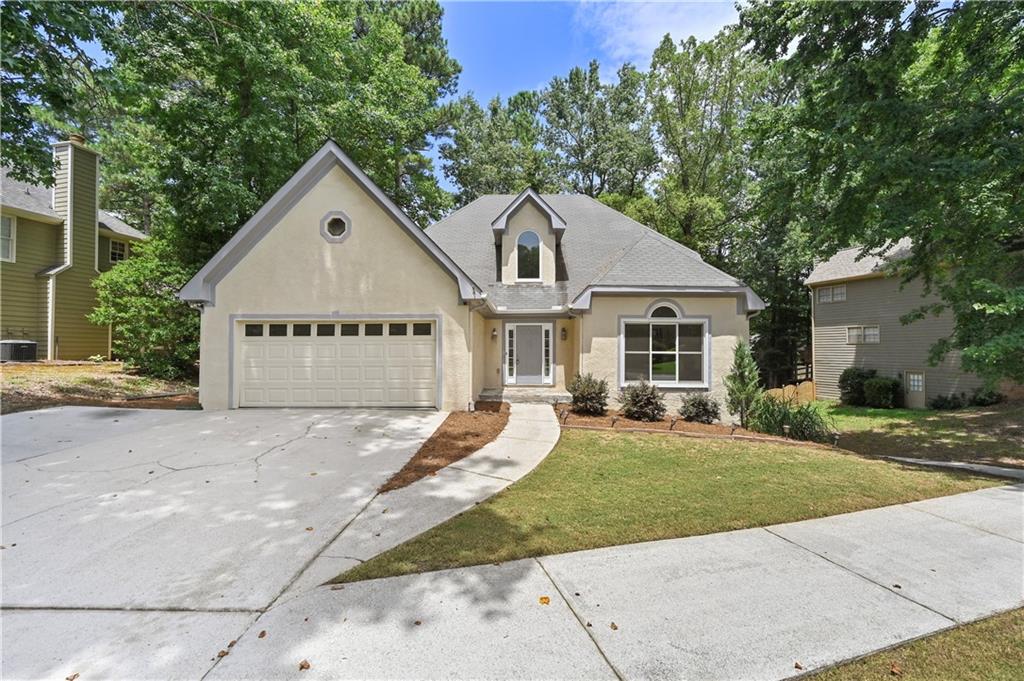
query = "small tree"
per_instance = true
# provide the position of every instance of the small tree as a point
(743, 383)
(154, 331)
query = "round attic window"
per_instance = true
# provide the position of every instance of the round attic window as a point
(336, 226)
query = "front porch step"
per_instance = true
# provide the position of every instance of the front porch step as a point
(524, 395)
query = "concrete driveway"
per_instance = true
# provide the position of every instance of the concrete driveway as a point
(173, 530)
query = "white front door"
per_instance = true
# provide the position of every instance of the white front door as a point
(528, 359)
(337, 364)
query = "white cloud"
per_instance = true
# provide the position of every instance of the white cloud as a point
(629, 31)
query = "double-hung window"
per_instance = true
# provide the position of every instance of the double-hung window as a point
(117, 251)
(832, 294)
(665, 349)
(859, 335)
(8, 237)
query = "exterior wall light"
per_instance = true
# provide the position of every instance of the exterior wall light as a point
(565, 333)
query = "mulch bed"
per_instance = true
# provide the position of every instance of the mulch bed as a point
(461, 434)
(612, 420)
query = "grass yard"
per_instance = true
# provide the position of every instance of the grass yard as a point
(604, 488)
(991, 435)
(36, 385)
(990, 650)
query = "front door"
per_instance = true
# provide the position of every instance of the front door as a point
(528, 354)
(913, 387)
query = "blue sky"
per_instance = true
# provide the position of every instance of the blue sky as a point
(505, 47)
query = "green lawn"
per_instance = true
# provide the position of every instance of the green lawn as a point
(602, 488)
(990, 650)
(991, 435)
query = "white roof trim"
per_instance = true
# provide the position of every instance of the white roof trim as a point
(201, 288)
(500, 223)
(752, 301)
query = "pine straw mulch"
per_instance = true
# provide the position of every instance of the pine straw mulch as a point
(672, 423)
(461, 434)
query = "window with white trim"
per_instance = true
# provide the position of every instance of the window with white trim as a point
(860, 335)
(118, 250)
(832, 294)
(664, 351)
(915, 381)
(528, 257)
(8, 237)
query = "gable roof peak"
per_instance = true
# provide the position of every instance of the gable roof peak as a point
(500, 224)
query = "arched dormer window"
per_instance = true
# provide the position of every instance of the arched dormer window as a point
(528, 257)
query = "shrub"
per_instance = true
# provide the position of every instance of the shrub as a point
(642, 402)
(947, 402)
(883, 392)
(985, 397)
(699, 408)
(743, 383)
(851, 385)
(154, 331)
(589, 394)
(97, 359)
(805, 421)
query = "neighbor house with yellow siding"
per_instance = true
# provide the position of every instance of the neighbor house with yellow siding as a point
(53, 243)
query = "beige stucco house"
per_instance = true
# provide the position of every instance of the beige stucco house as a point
(856, 310)
(53, 243)
(331, 296)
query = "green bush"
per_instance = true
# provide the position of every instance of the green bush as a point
(589, 394)
(743, 383)
(642, 402)
(851, 385)
(154, 331)
(948, 402)
(774, 416)
(883, 392)
(699, 408)
(985, 397)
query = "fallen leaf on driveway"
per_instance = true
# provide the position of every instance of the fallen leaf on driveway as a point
(263, 634)
(309, 529)
(797, 665)
(304, 665)
(895, 670)
(615, 627)
(72, 677)
(896, 586)
(312, 474)
(417, 623)
(544, 600)
(232, 644)
(222, 653)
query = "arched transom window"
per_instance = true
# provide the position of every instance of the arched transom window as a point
(528, 257)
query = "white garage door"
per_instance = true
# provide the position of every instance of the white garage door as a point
(338, 364)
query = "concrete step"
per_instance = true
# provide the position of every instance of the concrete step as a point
(524, 394)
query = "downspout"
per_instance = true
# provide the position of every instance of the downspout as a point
(472, 352)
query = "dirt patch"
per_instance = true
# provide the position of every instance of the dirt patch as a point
(37, 385)
(613, 420)
(461, 434)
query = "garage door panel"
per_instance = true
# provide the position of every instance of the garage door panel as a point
(349, 370)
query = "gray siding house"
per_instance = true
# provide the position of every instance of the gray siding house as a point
(855, 321)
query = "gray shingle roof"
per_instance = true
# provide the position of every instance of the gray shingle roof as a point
(36, 199)
(119, 226)
(600, 247)
(25, 196)
(845, 264)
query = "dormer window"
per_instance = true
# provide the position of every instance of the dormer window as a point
(528, 257)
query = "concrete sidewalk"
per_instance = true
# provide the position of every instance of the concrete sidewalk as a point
(750, 604)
